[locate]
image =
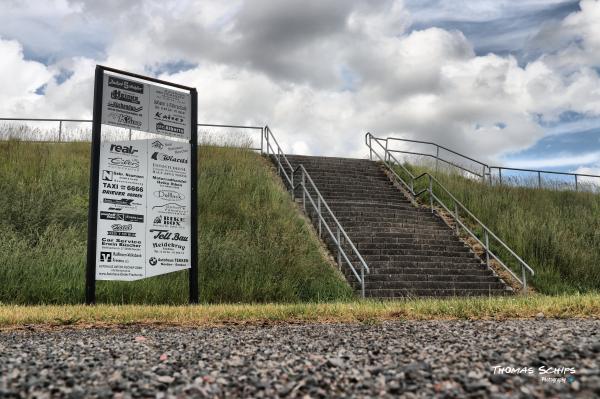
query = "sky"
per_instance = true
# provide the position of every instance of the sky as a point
(512, 82)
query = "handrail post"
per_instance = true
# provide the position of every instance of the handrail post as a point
(500, 175)
(267, 138)
(279, 161)
(456, 218)
(437, 157)
(386, 154)
(483, 175)
(303, 191)
(362, 280)
(319, 212)
(524, 279)
(59, 131)
(262, 138)
(430, 194)
(292, 179)
(370, 149)
(487, 249)
(539, 179)
(576, 185)
(339, 245)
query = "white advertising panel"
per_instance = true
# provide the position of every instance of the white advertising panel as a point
(143, 209)
(146, 107)
(169, 112)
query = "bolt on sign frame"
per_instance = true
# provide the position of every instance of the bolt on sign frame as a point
(90, 281)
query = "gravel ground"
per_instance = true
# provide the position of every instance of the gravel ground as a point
(417, 359)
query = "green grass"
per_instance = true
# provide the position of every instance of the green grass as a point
(557, 232)
(253, 245)
(368, 312)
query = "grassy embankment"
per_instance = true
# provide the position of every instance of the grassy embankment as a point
(496, 308)
(253, 246)
(557, 232)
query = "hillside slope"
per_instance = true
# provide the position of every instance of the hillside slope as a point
(556, 232)
(254, 247)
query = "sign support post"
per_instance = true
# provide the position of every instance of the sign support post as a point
(90, 273)
(167, 119)
(193, 277)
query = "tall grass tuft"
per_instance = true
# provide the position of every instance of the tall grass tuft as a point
(253, 245)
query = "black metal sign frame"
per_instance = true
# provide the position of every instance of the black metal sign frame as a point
(90, 276)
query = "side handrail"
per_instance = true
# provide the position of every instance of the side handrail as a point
(486, 172)
(340, 236)
(390, 160)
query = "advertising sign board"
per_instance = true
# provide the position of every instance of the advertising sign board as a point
(143, 201)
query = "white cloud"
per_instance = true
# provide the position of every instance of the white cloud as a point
(19, 79)
(321, 74)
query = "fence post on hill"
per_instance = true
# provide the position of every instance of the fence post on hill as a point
(576, 185)
(539, 179)
(59, 131)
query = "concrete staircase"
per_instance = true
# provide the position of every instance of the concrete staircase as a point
(410, 251)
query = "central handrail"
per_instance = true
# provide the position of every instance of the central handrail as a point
(389, 160)
(340, 236)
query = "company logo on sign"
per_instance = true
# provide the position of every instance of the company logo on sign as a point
(168, 117)
(121, 227)
(125, 163)
(124, 107)
(161, 127)
(129, 98)
(123, 149)
(122, 201)
(168, 235)
(168, 195)
(122, 230)
(160, 156)
(125, 217)
(171, 206)
(124, 119)
(168, 220)
(105, 256)
(152, 261)
(125, 84)
(158, 144)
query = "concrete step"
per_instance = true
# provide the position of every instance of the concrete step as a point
(482, 278)
(429, 285)
(435, 293)
(427, 271)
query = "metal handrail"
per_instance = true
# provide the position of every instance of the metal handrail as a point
(486, 169)
(387, 160)
(340, 235)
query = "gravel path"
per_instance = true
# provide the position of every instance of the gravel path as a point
(417, 359)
